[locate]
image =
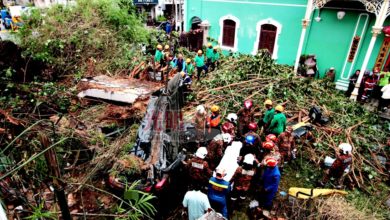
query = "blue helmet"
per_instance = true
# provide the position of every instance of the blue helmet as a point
(250, 139)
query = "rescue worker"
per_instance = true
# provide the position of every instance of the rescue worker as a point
(215, 59)
(340, 166)
(199, 121)
(271, 180)
(242, 177)
(279, 121)
(245, 116)
(158, 55)
(216, 149)
(286, 144)
(179, 63)
(214, 121)
(252, 127)
(189, 68)
(229, 126)
(268, 115)
(270, 150)
(217, 192)
(249, 147)
(271, 137)
(198, 168)
(209, 54)
(200, 64)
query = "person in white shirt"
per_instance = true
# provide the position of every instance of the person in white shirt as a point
(385, 99)
(197, 203)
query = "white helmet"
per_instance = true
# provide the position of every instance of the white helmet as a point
(200, 109)
(232, 117)
(346, 148)
(201, 152)
(249, 158)
(226, 137)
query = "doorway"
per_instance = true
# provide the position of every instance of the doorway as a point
(267, 37)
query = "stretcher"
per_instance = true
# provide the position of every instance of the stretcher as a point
(229, 160)
(305, 193)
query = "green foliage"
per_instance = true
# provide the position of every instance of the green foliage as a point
(161, 18)
(140, 201)
(39, 213)
(66, 37)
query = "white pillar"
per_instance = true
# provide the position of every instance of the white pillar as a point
(375, 33)
(376, 30)
(305, 22)
(300, 46)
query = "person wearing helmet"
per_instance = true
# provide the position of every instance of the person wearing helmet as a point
(242, 177)
(200, 64)
(286, 144)
(245, 116)
(269, 150)
(189, 67)
(279, 121)
(252, 127)
(209, 54)
(216, 148)
(158, 55)
(271, 180)
(215, 59)
(199, 121)
(214, 120)
(249, 147)
(268, 114)
(229, 126)
(178, 63)
(198, 169)
(218, 191)
(271, 137)
(340, 165)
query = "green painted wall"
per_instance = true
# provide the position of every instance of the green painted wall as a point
(249, 14)
(329, 39)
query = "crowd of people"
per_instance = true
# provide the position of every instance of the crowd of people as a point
(201, 63)
(258, 164)
(266, 146)
(375, 84)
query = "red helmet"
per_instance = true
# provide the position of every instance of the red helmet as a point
(252, 126)
(269, 145)
(271, 137)
(248, 104)
(271, 162)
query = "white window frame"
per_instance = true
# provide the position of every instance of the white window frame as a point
(221, 21)
(278, 32)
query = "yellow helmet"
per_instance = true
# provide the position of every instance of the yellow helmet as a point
(159, 47)
(214, 108)
(209, 45)
(268, 102)
(188, 60)
(279, 108)
(200, 51)
(182, 74)
(166, 47)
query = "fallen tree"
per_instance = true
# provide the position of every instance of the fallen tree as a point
(259, 78)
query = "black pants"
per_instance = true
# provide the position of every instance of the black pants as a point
(383, 103)
(200, 69)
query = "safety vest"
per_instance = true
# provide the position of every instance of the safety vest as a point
(214, 120)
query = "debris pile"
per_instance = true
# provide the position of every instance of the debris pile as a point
(259, 78)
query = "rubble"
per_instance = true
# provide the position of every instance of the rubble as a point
(118, 90)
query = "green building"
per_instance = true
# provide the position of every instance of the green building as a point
(344, 34)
